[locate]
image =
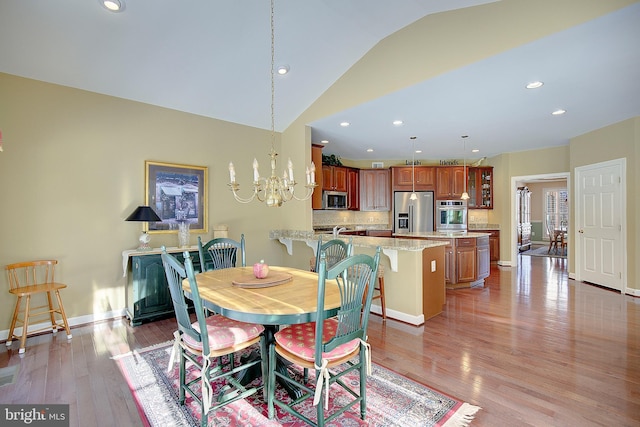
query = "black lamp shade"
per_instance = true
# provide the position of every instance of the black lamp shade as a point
(144, 213)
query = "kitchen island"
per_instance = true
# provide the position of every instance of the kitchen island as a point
(414, 270)
(467, 256)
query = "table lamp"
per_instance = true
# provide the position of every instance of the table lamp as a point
(146, 214)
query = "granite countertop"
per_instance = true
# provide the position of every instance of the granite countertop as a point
(360, 241)
(483, 226)
(443, 235)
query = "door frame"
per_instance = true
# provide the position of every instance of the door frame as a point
(514, 187)
(622, 206)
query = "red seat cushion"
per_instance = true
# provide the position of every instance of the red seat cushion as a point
(301, 340)
(224, 333)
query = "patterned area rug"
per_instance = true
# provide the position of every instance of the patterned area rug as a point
(392, 400)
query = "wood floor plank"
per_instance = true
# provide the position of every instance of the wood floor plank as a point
(532, 348)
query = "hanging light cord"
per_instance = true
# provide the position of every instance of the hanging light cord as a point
(273, 85)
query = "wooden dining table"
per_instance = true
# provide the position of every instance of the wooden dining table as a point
(286, 296)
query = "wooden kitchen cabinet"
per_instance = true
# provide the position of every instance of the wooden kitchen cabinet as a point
(425, 178)
(334, 178)
(494, 244)
(449, 182)
(480, 187)
(466, 260)
(375, 191)
(316, 158)
(483, 257)
(353, 189)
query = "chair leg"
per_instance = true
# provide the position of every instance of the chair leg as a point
(382, 303)
(363, 385)
(25, 325)
(16, 311)
(63, 314)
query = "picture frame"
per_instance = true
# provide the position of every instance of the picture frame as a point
(177, 193)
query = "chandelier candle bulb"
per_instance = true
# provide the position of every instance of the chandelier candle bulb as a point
(308, 176)
(290, 168)
(232, 173)
(313, 173)
(256, 174)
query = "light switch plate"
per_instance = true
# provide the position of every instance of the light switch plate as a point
(433, 265)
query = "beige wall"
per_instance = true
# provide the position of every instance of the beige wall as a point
(73, 168)
(73, 165)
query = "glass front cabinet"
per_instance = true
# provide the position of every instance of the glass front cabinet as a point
(480, 187)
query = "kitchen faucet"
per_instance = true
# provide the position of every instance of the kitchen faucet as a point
(337, 230)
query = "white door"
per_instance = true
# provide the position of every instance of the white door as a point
(599, 223)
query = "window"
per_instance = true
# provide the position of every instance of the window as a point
(556, 208)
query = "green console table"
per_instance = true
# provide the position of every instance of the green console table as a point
(147, 292)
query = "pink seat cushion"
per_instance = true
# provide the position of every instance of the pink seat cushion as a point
(301, 340)
(224, 333)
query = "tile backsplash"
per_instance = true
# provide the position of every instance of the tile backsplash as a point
(352, 219)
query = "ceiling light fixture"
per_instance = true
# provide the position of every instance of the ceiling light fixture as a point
(345, 124)
(534, 85)
(273, 190)
(369, 150)
(324, 141)
(112, 5)
(558, 112)
(283, 69)
(465, 195)
(398, 122)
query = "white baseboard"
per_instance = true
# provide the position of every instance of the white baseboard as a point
(398, 315)
(73, 321)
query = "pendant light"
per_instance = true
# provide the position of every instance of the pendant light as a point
(413, 196)
(465, 195)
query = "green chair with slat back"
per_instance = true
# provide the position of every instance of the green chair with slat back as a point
(221, 253)
(335, 250)
(329, 342)
(225, 336)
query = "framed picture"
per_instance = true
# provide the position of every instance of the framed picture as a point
(178, 193)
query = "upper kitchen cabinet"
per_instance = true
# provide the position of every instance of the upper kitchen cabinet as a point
(353, 189)
(316, 158)
(449, 182)
(480, 187)
(375, 191)
(334, 178)
(403, 178)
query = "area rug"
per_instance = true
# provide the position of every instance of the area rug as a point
(392, 400)
(542, 251)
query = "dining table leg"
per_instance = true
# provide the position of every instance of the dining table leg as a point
(248, 375)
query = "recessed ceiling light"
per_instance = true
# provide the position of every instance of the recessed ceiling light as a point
(112, 5)
(345, 124)
(369, 150)
(534, 85)
(398, 122)
(559, 112)
(418, 151)
(324, 141)
(283, 69)
(475, 150)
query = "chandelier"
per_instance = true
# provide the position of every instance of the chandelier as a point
(274, 190)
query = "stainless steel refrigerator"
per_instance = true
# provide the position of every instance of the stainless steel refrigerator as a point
(412, 215)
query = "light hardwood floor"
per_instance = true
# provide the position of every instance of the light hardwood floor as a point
(532, 348)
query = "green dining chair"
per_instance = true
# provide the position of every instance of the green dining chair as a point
(221, 253)
(336, 250)
(328, 343)
(223, 338)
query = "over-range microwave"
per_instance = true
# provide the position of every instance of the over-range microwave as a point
(334, 200)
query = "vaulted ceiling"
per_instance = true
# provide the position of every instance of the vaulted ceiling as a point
(212, 58)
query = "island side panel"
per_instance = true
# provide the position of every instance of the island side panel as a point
(433, 281)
